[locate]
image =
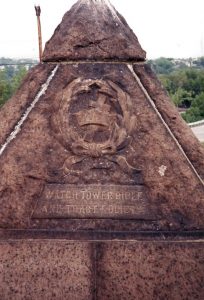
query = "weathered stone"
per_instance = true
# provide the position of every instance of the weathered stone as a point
(93, 152)
(54, 269)
(150, 270)
(14, 108)
(93, 30)
(190, 144)
(46, 270)
(54, 153)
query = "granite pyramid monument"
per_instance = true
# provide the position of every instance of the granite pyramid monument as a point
(93, 149)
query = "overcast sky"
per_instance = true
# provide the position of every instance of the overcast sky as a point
(170, 28)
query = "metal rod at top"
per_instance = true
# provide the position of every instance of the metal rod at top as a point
(38, 12)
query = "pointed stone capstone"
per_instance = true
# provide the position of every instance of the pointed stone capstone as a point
(101, 181)
(93, 30)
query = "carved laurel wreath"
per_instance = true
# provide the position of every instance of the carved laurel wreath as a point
(119, 135)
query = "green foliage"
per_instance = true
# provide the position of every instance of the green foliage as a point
(5, 87)
(162, 65)
(17, 78)
(199, 62)
(182, 78)
(186, 89)
(184, 85)
(12, 73)
(9, 84)
(182, 97)
(196, 112)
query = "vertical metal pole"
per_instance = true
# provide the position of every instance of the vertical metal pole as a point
(38, 11)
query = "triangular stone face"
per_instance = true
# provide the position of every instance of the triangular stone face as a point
(94, 147)
(89, 144)
(93, 30)
(101, 185)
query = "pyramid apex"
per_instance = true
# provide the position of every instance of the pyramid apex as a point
(93, 30)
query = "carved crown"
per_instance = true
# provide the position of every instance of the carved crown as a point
(93, 116)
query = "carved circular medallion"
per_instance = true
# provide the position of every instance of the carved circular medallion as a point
(94, 118)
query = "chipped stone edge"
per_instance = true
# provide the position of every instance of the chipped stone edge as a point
(25, 115)
(130, 67)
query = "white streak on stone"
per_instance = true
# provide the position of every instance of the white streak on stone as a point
(112, 11)
(24, 117)
(130, 67)
(162, 170)
(101, 4)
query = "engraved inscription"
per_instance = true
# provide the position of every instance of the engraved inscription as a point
(93, 201)
(85, 194)
(85, 210)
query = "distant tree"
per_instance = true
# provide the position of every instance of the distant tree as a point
(10, 72)
(5, 87)
(162, 65)
(196, 112)
(199, 62)
(182, 98)
(184, 85)
(17, 79)
(10, 79)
